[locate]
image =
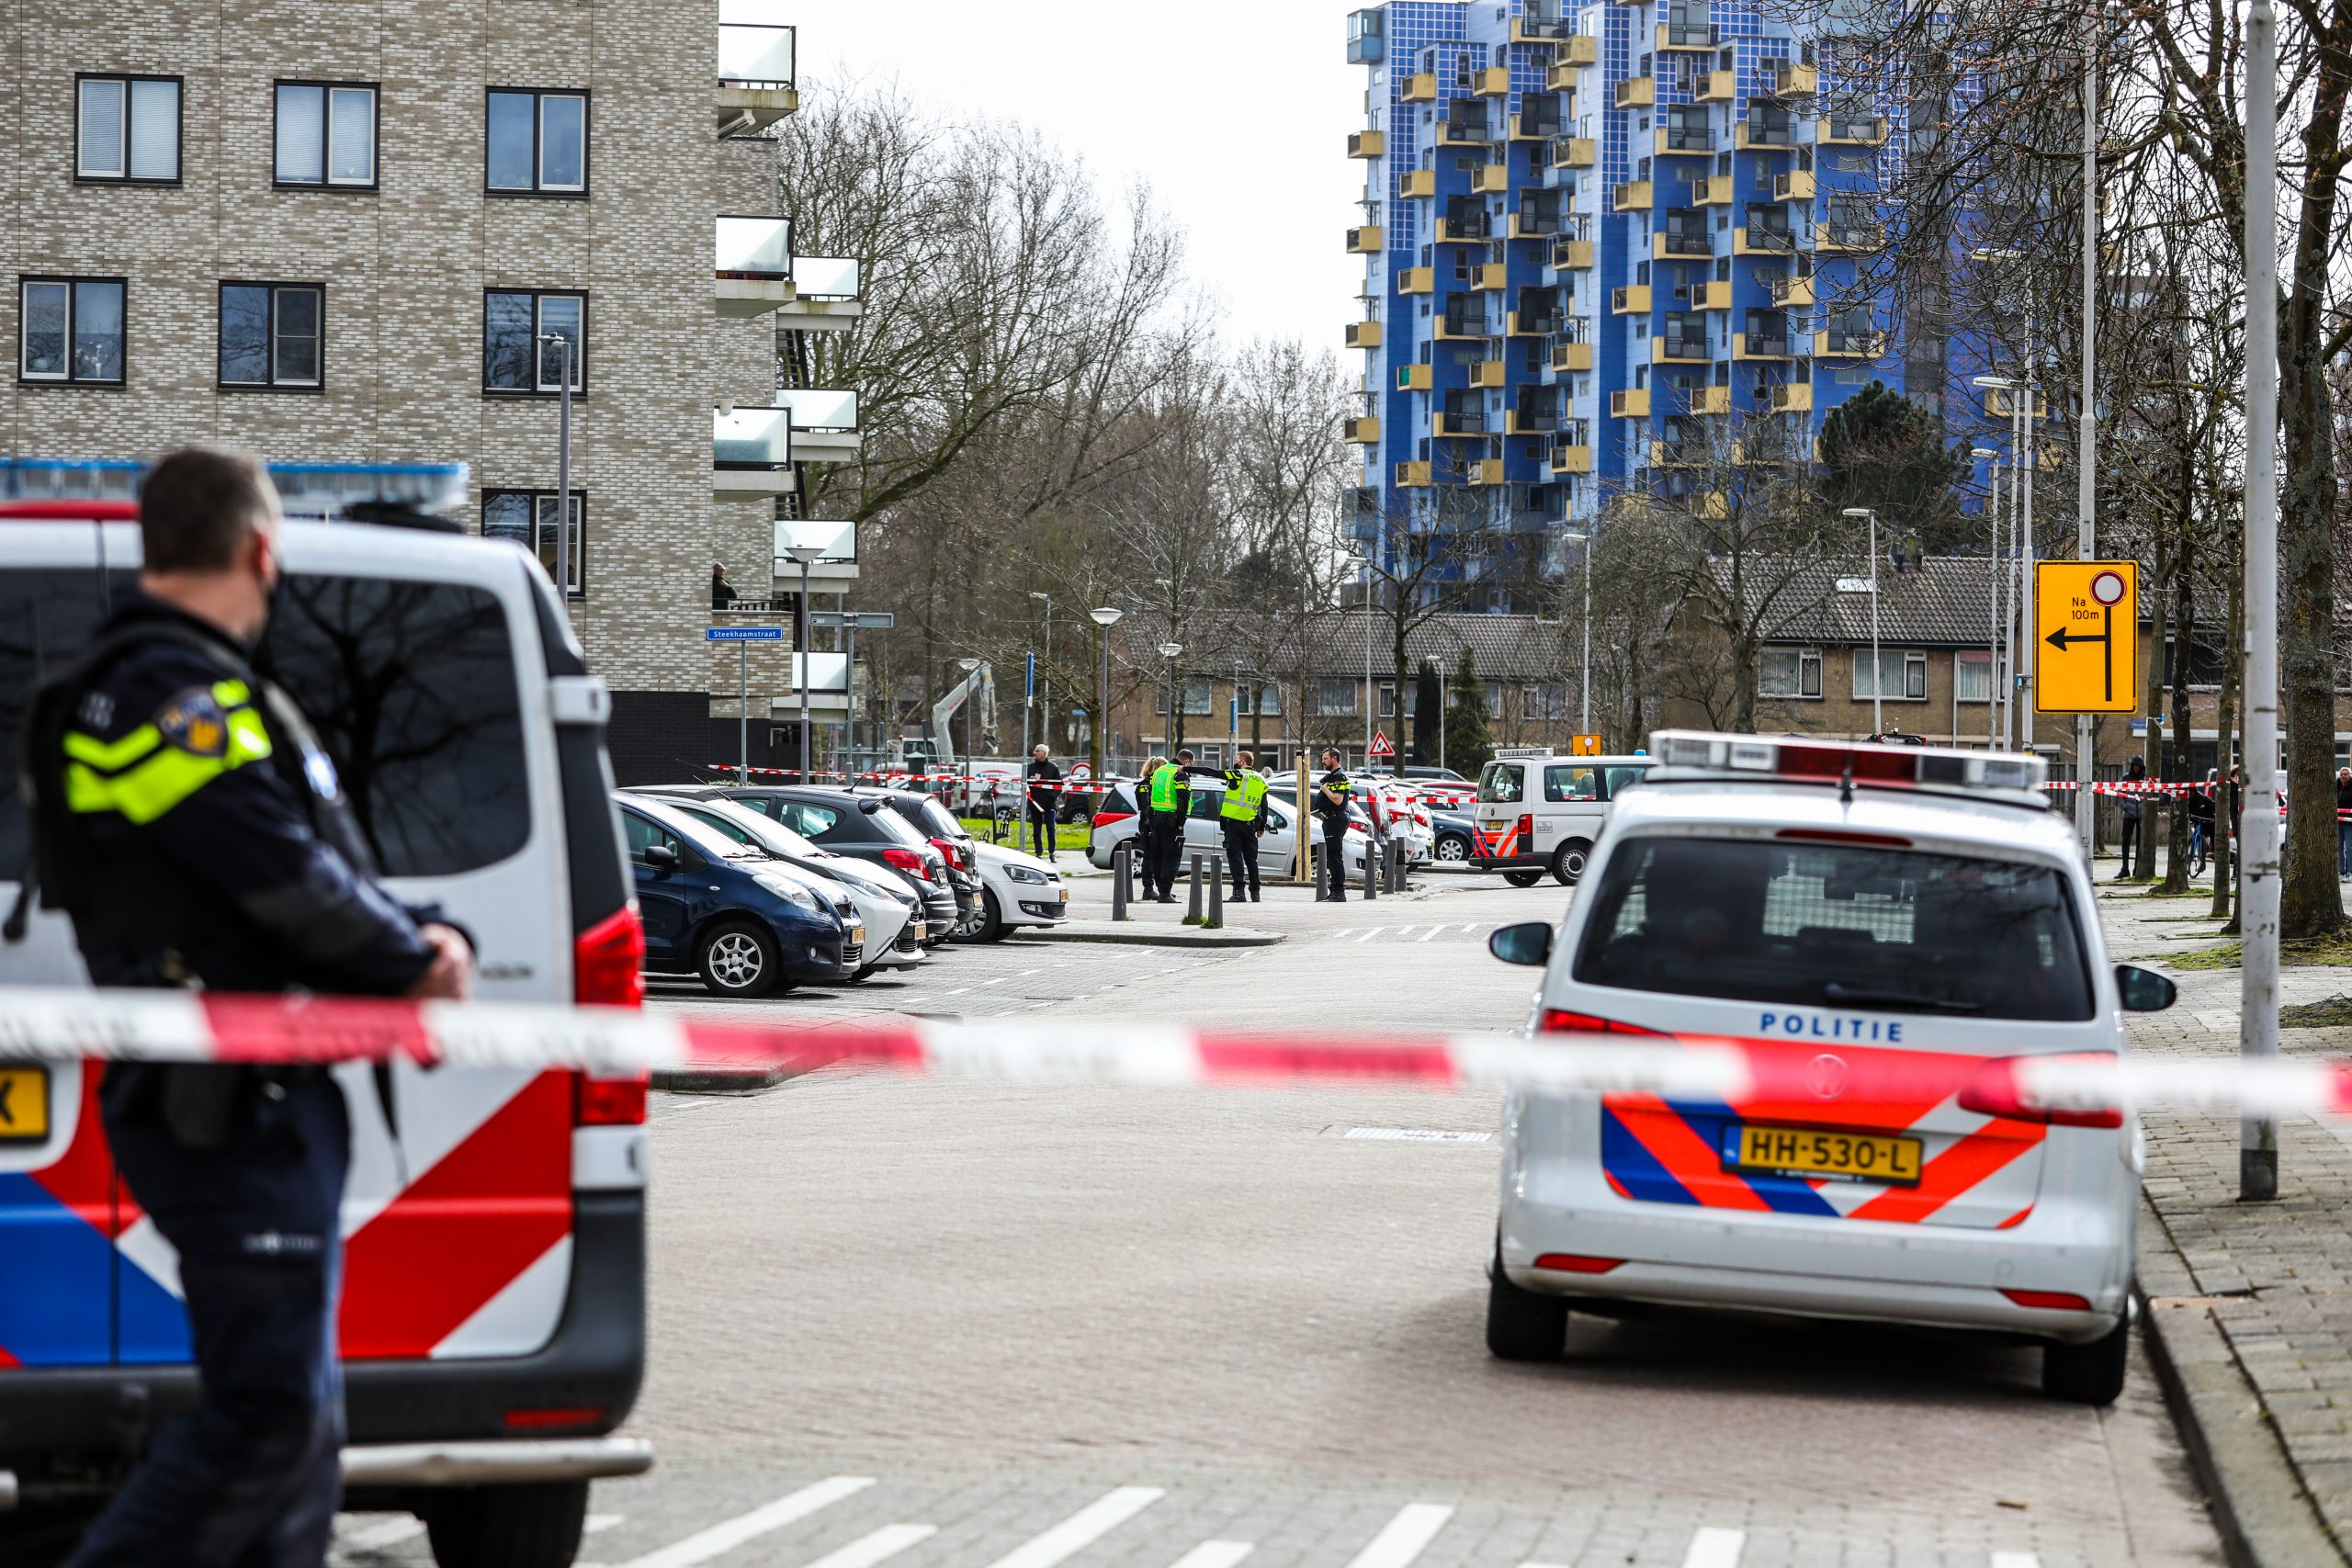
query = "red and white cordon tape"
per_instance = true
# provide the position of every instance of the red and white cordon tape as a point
(56, 1024)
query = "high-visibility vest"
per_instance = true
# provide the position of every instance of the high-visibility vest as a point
(1243, 795)
(1166, 784)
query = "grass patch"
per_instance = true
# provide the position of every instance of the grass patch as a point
(1066, 835)
(2333, 1013)
(2335, 948)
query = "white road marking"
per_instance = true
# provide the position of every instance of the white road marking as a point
(1415, 1135)
(1431, 931)
(959, 990)
(595, 1522)
(1402, 931)
(1404, 1537)
(378, 1536)
(1081, 1530)
(2015, 1560)
(998, 981)
(1340, 932)
(1472, 925)
(725, 1536)
(1713, 1548)
(879, 1547)
(1026, 973)
(1215, 1554)
(1370, 934)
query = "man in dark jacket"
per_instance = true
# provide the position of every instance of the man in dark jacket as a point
(1043, 797)
(2134, 776)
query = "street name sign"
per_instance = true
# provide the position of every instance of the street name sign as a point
(2086, 637)
(742, 634)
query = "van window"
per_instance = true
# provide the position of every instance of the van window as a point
(1895, 931)
(1501, 784)
(1571, 781)
(414, 691)
(1615, 779)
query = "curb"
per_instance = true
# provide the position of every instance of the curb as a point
(2259, 1507)
(718, 1083)
(1150, 936)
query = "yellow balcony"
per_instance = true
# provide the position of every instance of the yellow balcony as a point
(1828, 345)
(1363, 334)
(1367, 144)
(1630, 300)
(1491, 179)
(1368, 241)
(1538, 425)
(1519, 325)
(1751, 241)
(1637, 93)
(1418, 184)
(1575, 152)
(1571, 355)
(1836, 237)
(1364, 429)
(1471, 331)
(2001, 403)
(1417, 280)
(1749, 137)
(1445, 425)
(1789, 81)
(1710, 400)
(1793, 396)
(1713, 294)
(1446, 236)
(1527, 227)
(1486, 471)
(1572, 459)
(1489, 276)
(1714, 190)
(1676, 455)
(1792, 185)
(1763, 345)
(1488, 373)
(1716, 87)
(1413, 378)
(1676, 35)
(1678, 350)
(1572, 254)
(1449, 134)
(1634, 402)
(1681, 245)
(1530, 128)
(1420, 89)
(1633, 195)
(1574, 54)
(1675, 142)
(1413, 476)
(1791, 292)
(1857, 131)
(1494, 82)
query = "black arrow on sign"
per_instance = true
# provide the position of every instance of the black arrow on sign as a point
(2061, 639)
(7, 1117)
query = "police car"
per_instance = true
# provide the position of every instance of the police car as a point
(1881, 930)
(493, 1319)
(1538, 811)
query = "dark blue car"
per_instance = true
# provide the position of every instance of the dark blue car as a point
(729, 912)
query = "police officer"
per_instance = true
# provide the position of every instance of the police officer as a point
(1332, 793)
(1243, 815)
(187, 822)
(1156, 797)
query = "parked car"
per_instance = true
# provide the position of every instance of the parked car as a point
(1455, 837)
(892, 913)
(731, 913)
(1118, 822)
(855, 824)
(1016, 889)
(940, 827)
(1544, 812)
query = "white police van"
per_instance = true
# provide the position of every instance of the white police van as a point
(1883, 931)
(493, 1320)
(1538, 811)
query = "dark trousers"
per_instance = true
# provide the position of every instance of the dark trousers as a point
(2130, 846)
(1335, 857)
(1162, 834)
(1041, 829)
(249, 1479)
(1241, 855)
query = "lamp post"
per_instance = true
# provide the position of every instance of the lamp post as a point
(1168, 650)
(1992, 684)
(1106, 617)
(1584, 681)
(2259, 855)
(805, 556)
(2023, 460)
(562, 469)
(1045, 709)
(1878, 669)
(2087, 420)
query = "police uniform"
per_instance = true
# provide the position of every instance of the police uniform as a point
(1243, 815)
(1333, 816)
(188, 821)
(1168, 800)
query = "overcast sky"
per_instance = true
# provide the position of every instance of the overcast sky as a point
(1236, 112)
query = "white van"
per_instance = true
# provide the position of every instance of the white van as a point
(1539, 811)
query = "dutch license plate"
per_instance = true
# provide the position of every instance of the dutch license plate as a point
(1065, 894)
(24, 1104)
(1809, 1152)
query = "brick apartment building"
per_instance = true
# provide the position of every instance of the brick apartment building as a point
(334, 233)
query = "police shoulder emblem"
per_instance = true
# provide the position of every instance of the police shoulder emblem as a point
(193, 722)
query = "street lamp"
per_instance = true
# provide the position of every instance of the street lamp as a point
(1991, 710)
(1105, 618)
(1878, 669)
(2023, 460)
(1356, 561)
(968, 666)
(1044, 709)
(1168, 650)
(805, 556)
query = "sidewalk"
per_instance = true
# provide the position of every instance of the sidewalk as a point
(2250, 1304)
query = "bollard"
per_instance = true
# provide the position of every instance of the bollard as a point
(1370, 864)
(1216, 895)
(1315, 873)
(1398, 866)
(1192, 913)
(1122, 859)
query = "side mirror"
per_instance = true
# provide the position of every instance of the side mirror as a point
(661, 856)
(1529, 942)
(2144, 990)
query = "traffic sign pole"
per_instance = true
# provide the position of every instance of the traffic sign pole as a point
(742, 637)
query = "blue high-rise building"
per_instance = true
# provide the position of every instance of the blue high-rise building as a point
(1609, 247)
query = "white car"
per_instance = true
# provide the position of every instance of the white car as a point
(1880, 927)
(1016, 889)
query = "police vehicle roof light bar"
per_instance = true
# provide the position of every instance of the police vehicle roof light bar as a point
(1906, 767)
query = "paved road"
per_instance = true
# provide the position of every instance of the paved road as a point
(956, 1326)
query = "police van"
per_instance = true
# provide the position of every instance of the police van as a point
(492, 1316)
(1880, 934)
(1540, 811)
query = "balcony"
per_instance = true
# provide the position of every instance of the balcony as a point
(1570, 55)
(1540, 29)
(1364, 429)
(754, 272)
(828, 295)
(1461, 126)
(1748, 136)
(1417, 280)
(1839, 237)
(1671, 139)
(834, 570)
(1575, 152)
(1531, 323)
(1669, 244)
(755, 66)
(1714, 190)
(1420, 88)
(1763, 345)
(1793, 396)
(2001, 403)
(1630, 300)
(1488, 373)
(1716, 87)
(1487, 276)
(1637, 93)
(1570, 355)
(1491, 179)
(824, 423)
(1465, 326)
(1792, 80)
(1851, 131)
(1494, 82)
(1839, 343)
(751, 454)
(1367, 35)
(1713, 294)
(1413, 378)
(1791, 292)
(1571, 458)
(1633, 195)
(1363, 334)
(1667, 350)
(1632, 402)
(1368, 241)
(1571, 254)
(1685, 35)
(1537, 222)
(1466, 225)
(1539, 123)
(1792, 185)
(1756, 239)
(1419, 185)
(1413, 476)
(1367, 144)
(1486, 471)
(1769, 449)
(1684, 454)
(1710, 402)
(1531, 420)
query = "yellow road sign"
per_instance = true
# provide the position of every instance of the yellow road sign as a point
(1584, 745)
(2086, 637)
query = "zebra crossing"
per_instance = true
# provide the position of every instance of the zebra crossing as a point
(1412, 931)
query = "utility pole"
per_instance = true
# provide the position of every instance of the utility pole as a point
(1992, 461)
(1044, 707)
(2259, 856)
(2086, 433)
(1878, 668)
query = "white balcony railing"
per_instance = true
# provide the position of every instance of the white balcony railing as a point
(827, 278)
(755, 248)
(819, 411)
(751, 438)
(755, 44)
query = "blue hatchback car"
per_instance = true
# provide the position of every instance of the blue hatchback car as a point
(731, 913)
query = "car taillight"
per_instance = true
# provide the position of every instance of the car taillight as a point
(1558, 1021)
(2047, 1301)
(610, 1103)
(1995, 1091)
(608, 960)
(1105, 819)
(907, 860)
(950, 851)
(1578, 1263)
(1527, 830)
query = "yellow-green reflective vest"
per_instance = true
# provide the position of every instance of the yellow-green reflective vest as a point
(1242, 797)
(1166, 785)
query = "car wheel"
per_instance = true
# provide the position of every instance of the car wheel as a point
(991, 926)
(862, 974)
(1569, 861)
(2088, 1374)
(1523, 878)
(532, 1525)
(1452, 847)
(739, 960)
(1520, 1324)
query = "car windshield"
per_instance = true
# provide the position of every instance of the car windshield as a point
(937, 820)
(1501, 784)
(745, 826)
(1838, 925)
(898, 828)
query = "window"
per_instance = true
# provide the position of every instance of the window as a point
(513, 357)
(528, 517)
(1902, 677)
(1571, 781)
(273, 334)
(1972, 678)
(415, 689)
(70, 330)
(326, 134)
(1270, 699)
(641, 835)
(1789, 673)
(1335, 698)
(126, 128)
(1198, 698)
(536, 143)
(1502, 783)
